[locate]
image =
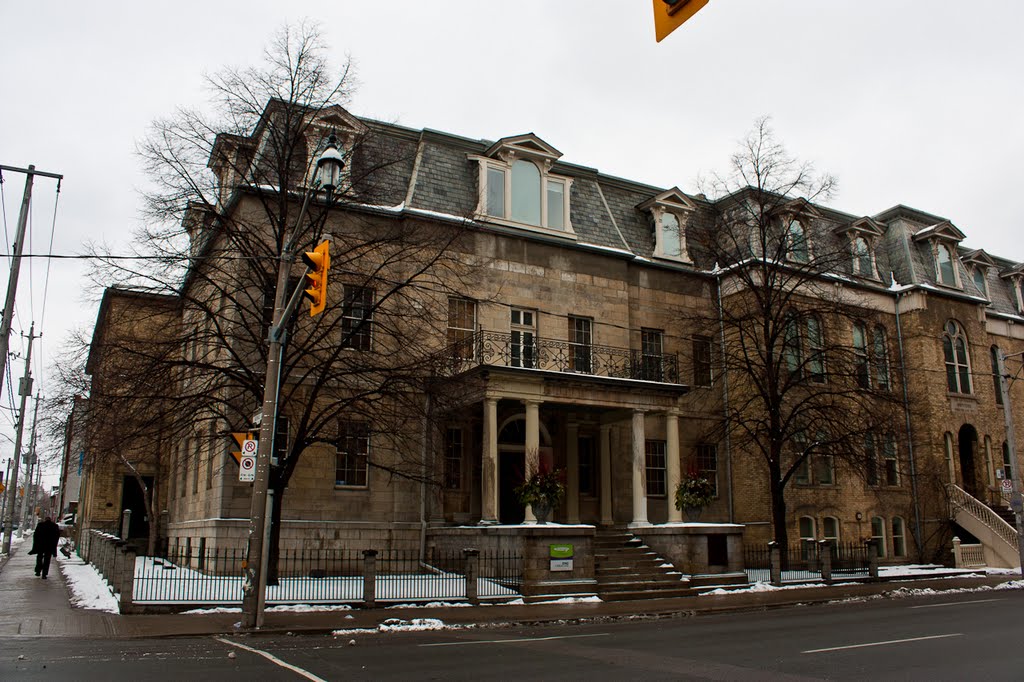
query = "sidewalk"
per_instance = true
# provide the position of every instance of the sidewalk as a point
(34, 608)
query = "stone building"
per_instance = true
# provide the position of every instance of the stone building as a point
(572, 351)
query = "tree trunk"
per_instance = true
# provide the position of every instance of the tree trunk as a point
(779, 515)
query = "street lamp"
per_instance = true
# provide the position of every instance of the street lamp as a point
(327, 176)
(1016, 501)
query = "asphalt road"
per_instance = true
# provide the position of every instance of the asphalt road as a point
(971, 636)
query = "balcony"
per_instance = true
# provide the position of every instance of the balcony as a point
(525, 351)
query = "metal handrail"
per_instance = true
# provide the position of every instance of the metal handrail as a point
(961, 499)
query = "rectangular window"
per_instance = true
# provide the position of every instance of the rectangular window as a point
(453, 454)
(523, 338)
(889, 461)
(860, 356)
(196, 457)
(496, 192)
(899, 545)
(830, 531)
(655, 459)
(707, 463)
(353, 449)
(652, 353)
(580, 344)
(824, 470)
(461, 328)
(356, 317)
(878, 535)
(588, 465)
(556, 204)
(701, 361)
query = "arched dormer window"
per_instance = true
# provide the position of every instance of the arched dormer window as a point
(863, 262)
(517, 187)
(669, 242)
(796, 242)
(980, 275)
(669, 214)
(945, 269)
(954, 350)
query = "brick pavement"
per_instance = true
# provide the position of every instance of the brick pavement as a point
(30, 607)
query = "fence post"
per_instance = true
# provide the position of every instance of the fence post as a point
(872, 558)
(825, 550)
(114, 576)
(958, 557)
(127, 578)
(370, 578)
(126, 523)
(472, 571)
(774, 563)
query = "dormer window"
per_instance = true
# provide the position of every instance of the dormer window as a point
(863, 260)
(980, 275)
(796, 242)
(516, 186)
(669, 211)
(945, 269)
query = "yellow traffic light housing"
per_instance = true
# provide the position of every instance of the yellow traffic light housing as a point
(319, 262)
(670, 15)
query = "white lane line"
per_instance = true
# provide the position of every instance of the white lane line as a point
(953, 603)
(515, 641)
(274, 659)
(891, 641)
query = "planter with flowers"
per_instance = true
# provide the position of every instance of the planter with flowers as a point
(543, 491)
(693, 494)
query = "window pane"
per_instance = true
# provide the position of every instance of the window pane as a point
(651, 355)
(580, 342)
(707, 464)
(525, 193)
(655, 456)
(496, 192)
(860, 352)
(453, 448)
(556, 204)
(357, 316)
(701, 361)
(881, 359)
(461, 328)
(815, 346)
(797, 242)
(979, 280)
(670, 235)
(945, 261)
(353, 447)
(806, 528)
(862, 257)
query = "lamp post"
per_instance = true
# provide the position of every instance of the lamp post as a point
(1016, 501)
(327, 176)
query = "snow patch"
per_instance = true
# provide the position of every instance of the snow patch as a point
(88, 588)
(399, 625)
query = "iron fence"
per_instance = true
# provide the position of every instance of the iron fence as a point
(804, 562)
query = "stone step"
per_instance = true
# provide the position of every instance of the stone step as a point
(641, 593)
(709, 580)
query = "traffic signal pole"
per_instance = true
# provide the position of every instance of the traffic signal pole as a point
(25, 390)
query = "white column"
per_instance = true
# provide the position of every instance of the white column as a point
(489, 470)
(606, 476)
(532, 457)
(672, 465)
(572, 465)
(639, 472)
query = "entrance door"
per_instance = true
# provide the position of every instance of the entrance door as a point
(511, 466)
(967, 440)
(132, 498)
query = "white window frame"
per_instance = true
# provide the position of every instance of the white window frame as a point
(805, 239)
(835, 537)
(951, 250)
(983, 271)
(899, 539)
(879, 536)
(544, 166)
(857, 270)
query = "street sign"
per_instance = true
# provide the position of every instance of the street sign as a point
(247, 469)
(240, 438)
(1007, 485)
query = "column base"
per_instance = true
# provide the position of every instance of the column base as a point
(487, 522)
(639, 524)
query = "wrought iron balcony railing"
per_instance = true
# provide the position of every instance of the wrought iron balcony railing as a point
(523, 350)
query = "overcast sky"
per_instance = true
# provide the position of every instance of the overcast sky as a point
(914, 102)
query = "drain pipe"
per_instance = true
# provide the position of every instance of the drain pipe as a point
(423, 479)
(910, 435)
(725, 402)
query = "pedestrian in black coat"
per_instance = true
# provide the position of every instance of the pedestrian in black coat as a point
(44, 545)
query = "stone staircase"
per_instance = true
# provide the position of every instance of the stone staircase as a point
(625, 568)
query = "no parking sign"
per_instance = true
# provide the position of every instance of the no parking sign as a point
(247, 465)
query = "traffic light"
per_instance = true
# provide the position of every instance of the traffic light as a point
(670, 15)
(319, 262)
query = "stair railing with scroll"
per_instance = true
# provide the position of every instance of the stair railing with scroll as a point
(962, 500)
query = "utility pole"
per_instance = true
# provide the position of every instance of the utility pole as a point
(19, 247)
(26, 518)
(24, 390)
(1016, 501)
(7, 482)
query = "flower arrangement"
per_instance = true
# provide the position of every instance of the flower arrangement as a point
(694, 492)
(542, 488)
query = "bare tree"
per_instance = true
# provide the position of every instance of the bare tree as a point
(227, 190)
(806, 361)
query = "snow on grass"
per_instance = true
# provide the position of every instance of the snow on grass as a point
(572, 600)
(399, 625)
(432, 605)
(281, 608)
(906, 592)
(88, 588)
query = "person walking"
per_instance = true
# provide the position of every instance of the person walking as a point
(44, 545)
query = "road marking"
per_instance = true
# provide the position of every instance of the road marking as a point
(891, 641)
(274, 659)
(516, 641)
(953, 603)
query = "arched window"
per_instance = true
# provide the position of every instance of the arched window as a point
(862, 257)
(878, 534)
(808, 536)
(525, 192)
(815, 351)
(860, 356)
(669, 234)
(796, 242)
(993, 353)
(880, 358)
(944, 265)
(980, 279)
(958, 368)
(792, 348)
(899, 541)
(830, 531)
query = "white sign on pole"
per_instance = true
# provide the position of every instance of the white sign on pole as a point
(1007, 485)
(247, 465)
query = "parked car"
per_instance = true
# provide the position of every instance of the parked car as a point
(66, 522)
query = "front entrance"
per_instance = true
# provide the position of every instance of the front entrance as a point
(132, 498)
(511, 468)
(967, 444)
